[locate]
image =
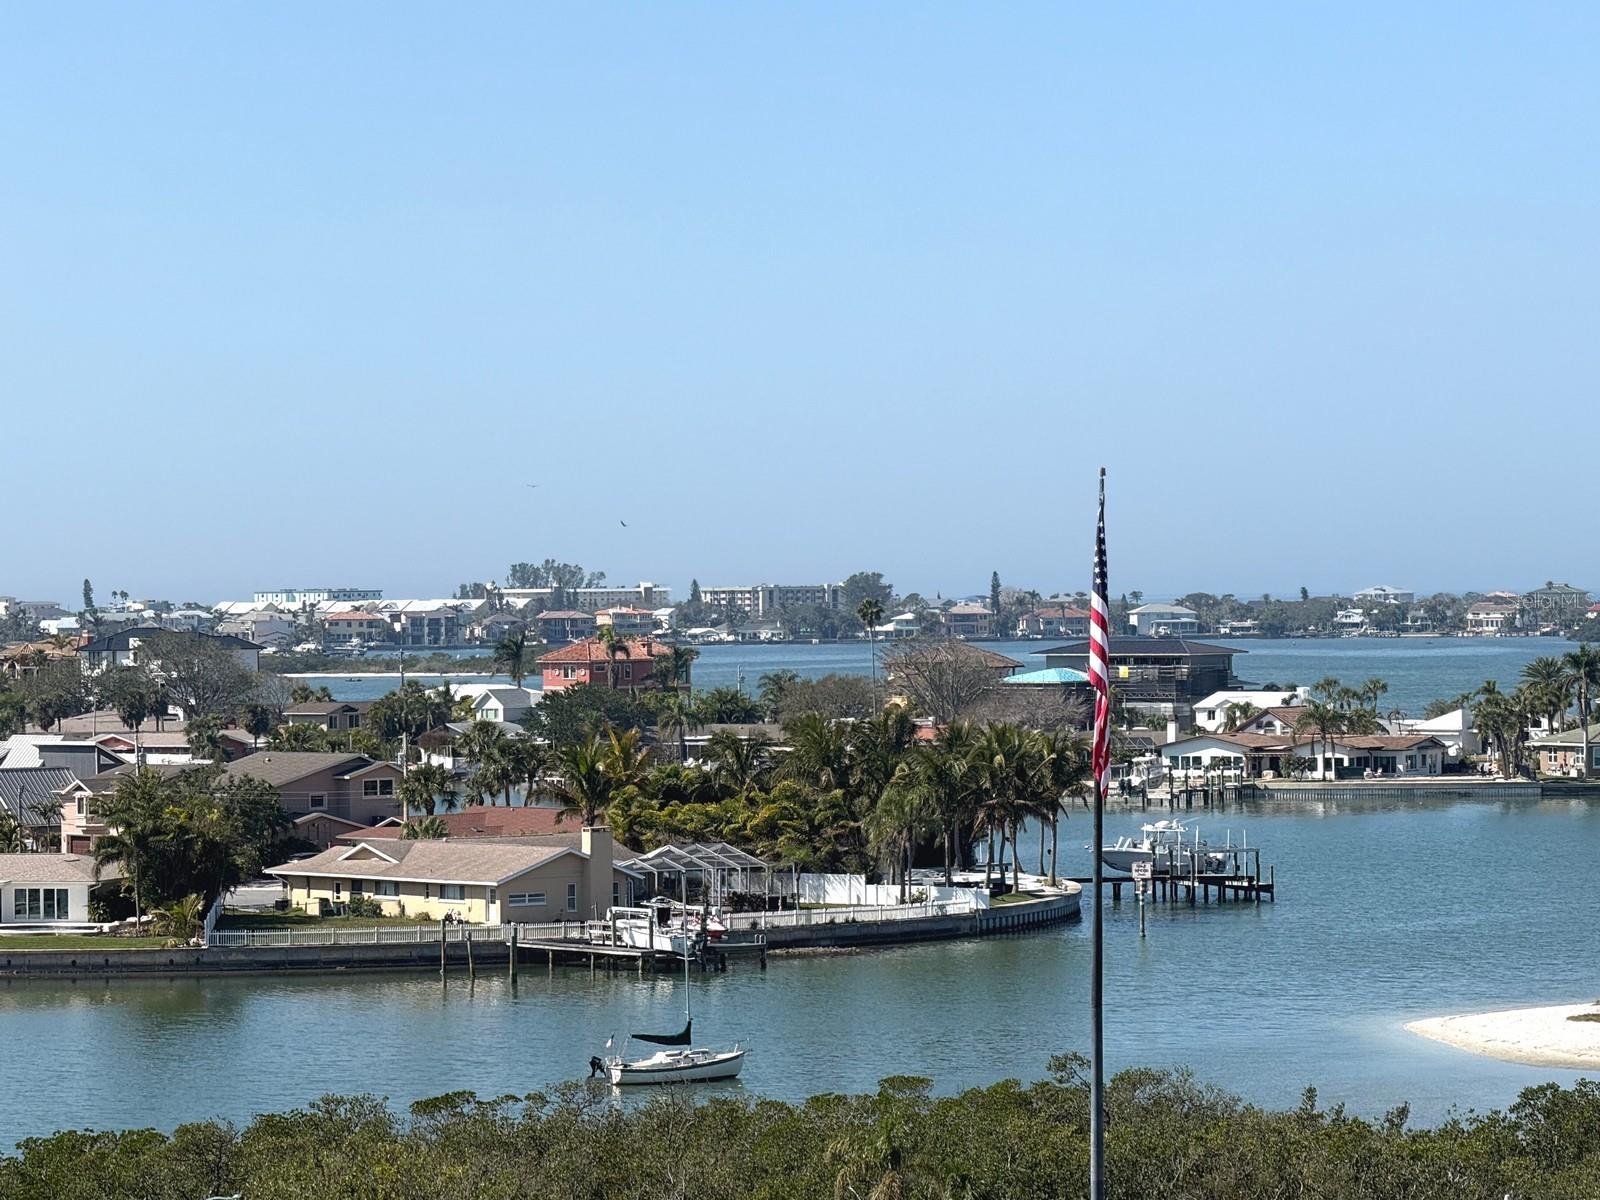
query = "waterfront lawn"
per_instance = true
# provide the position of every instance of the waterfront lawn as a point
(1012, 898)
(79, 941)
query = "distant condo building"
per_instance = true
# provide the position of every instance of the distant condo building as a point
(299, 597)
(767, 599)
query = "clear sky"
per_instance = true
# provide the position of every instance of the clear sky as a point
(308, 294)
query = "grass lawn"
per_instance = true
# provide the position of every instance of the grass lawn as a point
(51, 941)
(294, 919)
(1012, 898)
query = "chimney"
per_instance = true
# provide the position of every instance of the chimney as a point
(596, 843)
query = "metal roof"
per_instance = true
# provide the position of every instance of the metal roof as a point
(1048, 675)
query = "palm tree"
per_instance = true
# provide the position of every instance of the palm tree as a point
(1327, 720)
(1583, 670)
(615, 647)
(582, 783)
(672, 667)
(772, 686)
(1372, 691)
(511, 654)
(135, 831)
(1009, 775)
(819, 752)
(892, 824)
(677, 714)
(529, 759)
(205, 738)
(870, 613)
(1502, 720)
(13, 838)
(946, 773)
(1239, 714)
(427, 786)
(429, 828)
(1067, 773)
(738, 764)
(1547, 676)
(258, 720)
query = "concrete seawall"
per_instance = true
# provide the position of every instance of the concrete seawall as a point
(421, 956)
(1006, 918)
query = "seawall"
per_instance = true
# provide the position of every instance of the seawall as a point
(420, 956)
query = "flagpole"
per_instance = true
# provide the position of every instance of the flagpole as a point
(1097, 1085)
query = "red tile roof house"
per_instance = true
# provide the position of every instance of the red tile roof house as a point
(591, 662)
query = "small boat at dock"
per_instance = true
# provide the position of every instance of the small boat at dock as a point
(1169, 849)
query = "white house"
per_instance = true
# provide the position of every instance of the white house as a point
(1384, 594)
(47, 889)
(1259, 755)
(1212, 713)
(901, 625)
(1454, 729)
(1492, 618)
(1164, 620)
(1350, 619)
(507, 705)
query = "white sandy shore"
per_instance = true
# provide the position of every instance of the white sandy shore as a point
(1541, 1037)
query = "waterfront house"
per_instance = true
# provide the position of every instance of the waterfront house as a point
(1165, 676)
(898, 627)
(1556, 600)
(348, 628)
(1054, 621)
(48, 889)
(126, 648)
(1350, 620)
(1384, 594)
(1344, 756)
(591, 661)
(336, 716)
(565, 625)
(1211, 712)
(627, 621)
(1454, 728)
(967, 621)
(1492, 618)
(1164, 620)
(481, 880)
(1562, 753)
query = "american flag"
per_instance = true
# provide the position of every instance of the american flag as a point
(1100, 652)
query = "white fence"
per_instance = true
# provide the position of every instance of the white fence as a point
(803, 917)
(209, 928)
(854, 889)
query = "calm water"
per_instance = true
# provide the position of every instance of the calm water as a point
(1386, 914)
(1417, 669)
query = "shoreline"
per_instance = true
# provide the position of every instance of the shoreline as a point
(389, 674)
(1539, 1037)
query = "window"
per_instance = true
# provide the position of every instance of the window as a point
(39, 904)
(353, 721)
(526, 899)
(616, 894)
(337, 889)
(81, 806)
(385, 887)
(356, 887)
(318, 800)
(377, 787)
(452, 891)
(572, 897)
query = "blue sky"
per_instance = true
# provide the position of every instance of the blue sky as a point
(300, 294)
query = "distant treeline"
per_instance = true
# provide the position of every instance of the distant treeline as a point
(1168, 1137)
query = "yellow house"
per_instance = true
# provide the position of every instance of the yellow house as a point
(481, 880)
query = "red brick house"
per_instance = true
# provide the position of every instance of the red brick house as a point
(591, 661)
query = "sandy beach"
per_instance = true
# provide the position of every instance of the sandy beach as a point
(1541, 1037)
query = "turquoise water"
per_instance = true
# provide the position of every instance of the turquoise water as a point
(1417, 669)
(1386, 913)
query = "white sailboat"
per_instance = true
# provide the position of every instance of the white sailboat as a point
(690, 1064)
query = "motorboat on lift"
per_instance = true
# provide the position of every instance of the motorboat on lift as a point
(1169, 847)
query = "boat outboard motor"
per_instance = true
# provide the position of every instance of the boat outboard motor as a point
(597, 1066)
